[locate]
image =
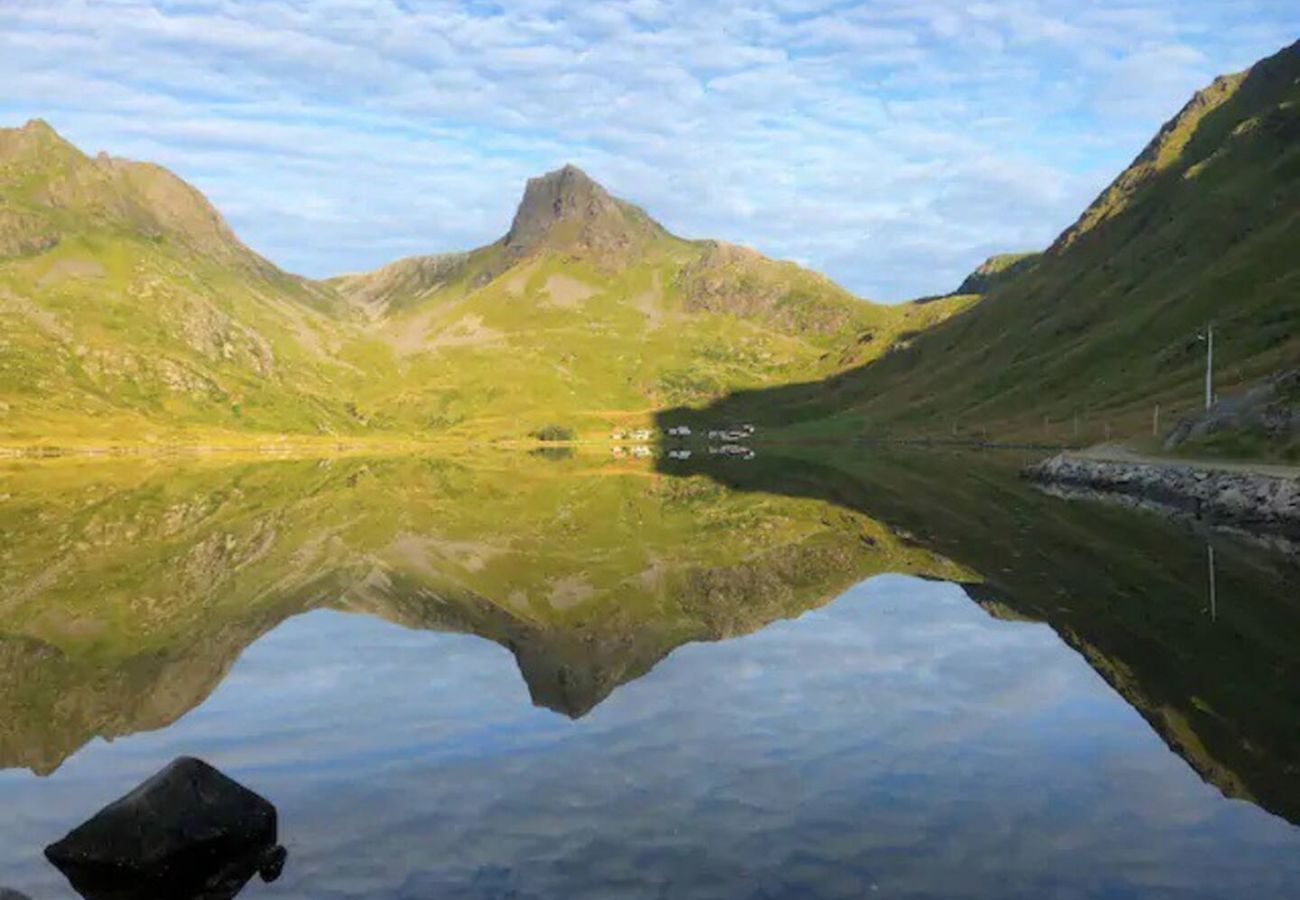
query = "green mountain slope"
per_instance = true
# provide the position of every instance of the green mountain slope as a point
(129, 308)
(1203, 227)
(588, 312)
(997, 272)
(129, 312)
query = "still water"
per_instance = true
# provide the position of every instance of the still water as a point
(523, 677)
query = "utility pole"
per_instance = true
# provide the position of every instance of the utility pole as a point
(1209, 365)
(1155, 422)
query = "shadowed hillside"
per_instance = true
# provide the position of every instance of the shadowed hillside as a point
(1203, 227)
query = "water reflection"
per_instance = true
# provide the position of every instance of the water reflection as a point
(1122, 587)
(1214, 599)
(128, 591)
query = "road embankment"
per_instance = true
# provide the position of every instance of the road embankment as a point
(1265, 500)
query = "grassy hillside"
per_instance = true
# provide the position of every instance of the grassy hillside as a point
(997, 272)
(130, 313)
(588, 314)
(1203, 227)
(129, 310)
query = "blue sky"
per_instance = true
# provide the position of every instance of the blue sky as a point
(891, 144)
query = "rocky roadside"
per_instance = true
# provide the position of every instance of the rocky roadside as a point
(1251, 501)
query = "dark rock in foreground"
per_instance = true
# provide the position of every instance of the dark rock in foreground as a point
(1248, 500)
(187, 832)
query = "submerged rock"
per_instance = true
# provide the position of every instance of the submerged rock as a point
(187, 832)
(9, 894)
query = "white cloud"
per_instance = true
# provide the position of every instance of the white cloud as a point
(891, 144)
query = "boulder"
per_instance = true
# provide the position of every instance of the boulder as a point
(188, 831)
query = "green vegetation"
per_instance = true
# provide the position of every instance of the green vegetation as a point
(554, 433)
(130, 314)
(998, 271)
(1081, 345)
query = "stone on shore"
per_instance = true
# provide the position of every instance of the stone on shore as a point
(1250, 500)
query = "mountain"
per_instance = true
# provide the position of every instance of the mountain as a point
(1203, 227)
(130, 312)
(129, 308)
(588, 312)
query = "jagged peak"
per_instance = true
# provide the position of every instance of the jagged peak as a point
(38, 125)
(35, 136)
(78, 192)
(566, 193)
(568, 209)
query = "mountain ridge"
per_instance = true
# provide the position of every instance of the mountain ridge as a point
(135, 313)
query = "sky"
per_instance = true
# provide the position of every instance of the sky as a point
(891, 144)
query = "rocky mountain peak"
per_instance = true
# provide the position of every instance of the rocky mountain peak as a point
(64, 186)
(566, 209)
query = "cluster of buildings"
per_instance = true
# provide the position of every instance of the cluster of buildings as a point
(731, 439)
(640, 450)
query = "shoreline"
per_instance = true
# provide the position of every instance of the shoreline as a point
(1252, 498)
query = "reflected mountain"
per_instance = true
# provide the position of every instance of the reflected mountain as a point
(129, 588)
(1196, 630)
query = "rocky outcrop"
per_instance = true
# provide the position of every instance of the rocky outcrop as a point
(1270, 410)
(566, 210)
(399, 283)
(1249, 500)
(189, 831)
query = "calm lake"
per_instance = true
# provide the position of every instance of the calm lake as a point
(555, 676)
